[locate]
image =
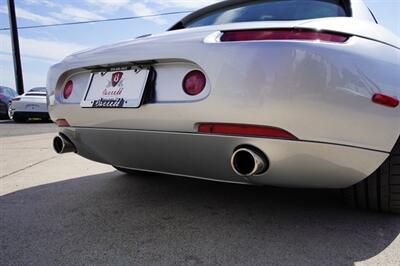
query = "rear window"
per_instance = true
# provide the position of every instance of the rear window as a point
(272, 10)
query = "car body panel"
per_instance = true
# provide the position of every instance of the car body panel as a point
(320, 103)
(321, 92)
(292, 163)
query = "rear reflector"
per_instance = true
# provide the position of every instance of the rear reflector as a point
(283, 34)
(194, 82)
(245, 130)
(385, 100)
(69, 87)
(62, 123)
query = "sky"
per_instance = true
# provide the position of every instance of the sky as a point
(40, 48)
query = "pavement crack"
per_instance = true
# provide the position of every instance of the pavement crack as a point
(27, 167)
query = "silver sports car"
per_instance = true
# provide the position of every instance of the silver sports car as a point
(295, 93)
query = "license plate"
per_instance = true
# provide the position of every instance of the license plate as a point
(116, 89)
(31, 107)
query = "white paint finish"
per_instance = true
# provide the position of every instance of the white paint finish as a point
(169, 83)
(80, 81)
(31, 104)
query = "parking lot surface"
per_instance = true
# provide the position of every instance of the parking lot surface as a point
(9, 128)
(63, 209)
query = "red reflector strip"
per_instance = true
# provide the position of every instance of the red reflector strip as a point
(245, 130)
(385, 100)
(62, 123)
(283, 34)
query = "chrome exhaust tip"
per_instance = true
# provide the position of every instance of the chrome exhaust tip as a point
(249, 162)
(63, 145)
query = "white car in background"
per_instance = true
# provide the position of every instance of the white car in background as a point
(32, 104)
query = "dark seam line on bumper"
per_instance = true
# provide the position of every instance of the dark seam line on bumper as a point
(344, 145)
(222, 135)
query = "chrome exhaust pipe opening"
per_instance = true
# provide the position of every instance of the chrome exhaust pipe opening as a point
(249, 162)
(63, 145)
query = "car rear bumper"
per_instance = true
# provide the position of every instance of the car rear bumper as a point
(31, 114)
(292, 163)
(30, 106)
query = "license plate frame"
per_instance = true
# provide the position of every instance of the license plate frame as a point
(116, 88)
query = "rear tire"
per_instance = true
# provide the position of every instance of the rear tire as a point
(381, 190)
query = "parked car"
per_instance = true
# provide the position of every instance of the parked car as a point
(6, 95)
(32, 104)
(285, 93)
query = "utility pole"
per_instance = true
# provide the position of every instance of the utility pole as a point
(19, 82)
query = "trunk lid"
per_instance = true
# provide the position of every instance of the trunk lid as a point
(148, 48)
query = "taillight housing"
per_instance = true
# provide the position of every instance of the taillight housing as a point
(68, 88)
(283, 34)
(194, 82)
(62, 123)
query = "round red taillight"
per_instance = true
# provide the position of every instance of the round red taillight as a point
(194, 82)
(69, 87)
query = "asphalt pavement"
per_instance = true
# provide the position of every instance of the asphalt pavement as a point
(66, 210)
(9, 128)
